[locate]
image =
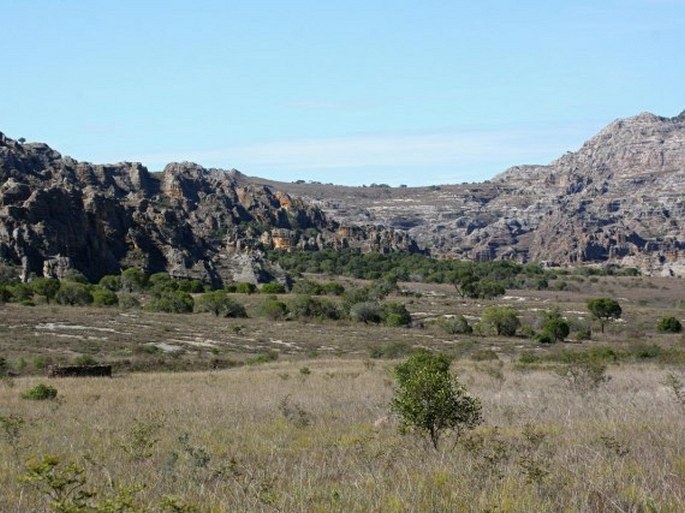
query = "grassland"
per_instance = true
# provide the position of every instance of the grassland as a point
(311, 431)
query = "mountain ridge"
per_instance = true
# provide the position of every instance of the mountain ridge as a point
(618, 199)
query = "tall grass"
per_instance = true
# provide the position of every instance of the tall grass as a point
(235, 440)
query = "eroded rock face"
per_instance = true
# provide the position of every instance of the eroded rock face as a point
(618, 199)
(187, 220)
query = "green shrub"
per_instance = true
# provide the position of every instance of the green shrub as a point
(555, 328)
(271, 356)
(367, 312)
(429, 400)
(395, 314)
(457, 326)
(72, 293)
(274, 309)
(245, 288)
(273, 288)
(307, 287)
(503, 321)
(40, 392)
(133, 280)
(105, 297)
(669, 325)
(191, 286)
(171, 302)
(128, 301)
(333, 288)
(219, 303)
(307, 307)
(46, 287)
(110, 282)
(5, 294)
(21, 292)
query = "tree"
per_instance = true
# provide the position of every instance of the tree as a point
(554, 327)
(504, 321)
(218, 302)
(71, 293)
(604, 309)
(669, 325)
(429, 400)
(46, 287)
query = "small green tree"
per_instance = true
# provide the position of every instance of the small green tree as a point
(669, 325)
(72, 293)
(429, 400)
(554, 327)
(46, 287)
(504, 321)
(219, 302)
(604, 309)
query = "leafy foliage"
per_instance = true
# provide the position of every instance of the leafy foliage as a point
(72, 293)
(669, 325)
(40, 392)
(220, 303)
(503, 321)
(429, 400)
(604, 309)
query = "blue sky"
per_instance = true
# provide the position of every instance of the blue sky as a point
(349, 92)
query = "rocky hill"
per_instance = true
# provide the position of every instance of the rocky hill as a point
(57, 213)
(619, 199)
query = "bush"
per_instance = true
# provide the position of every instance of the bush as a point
(273, 288)
(218, 302)
(191, 286)
(40, 392)
(669, 325)
(554, 328)
(133, 280)
(504, 321)
(333, 288)
(72, 293)
(46, 287)
(429, 400)
(396, 314)
(245, 288)
(307, 287)
(307, 307)
(110, 282)
(457, 326)
(274, 309)
(128, 301)
(105, 297)
(367, 312)
(172, 302)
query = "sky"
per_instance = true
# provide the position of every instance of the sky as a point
(354, 92)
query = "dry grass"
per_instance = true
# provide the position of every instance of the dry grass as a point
(275, 438)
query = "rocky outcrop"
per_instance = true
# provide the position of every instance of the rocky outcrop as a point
(57, 213)
(619, 199)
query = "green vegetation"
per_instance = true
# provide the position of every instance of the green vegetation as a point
(40, 392)
(604, 309)
(669, 325)
(503, 321)
(429, 400)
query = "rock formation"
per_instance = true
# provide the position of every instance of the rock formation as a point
(57, 213)
(619, 199)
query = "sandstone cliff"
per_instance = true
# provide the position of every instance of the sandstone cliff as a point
(57, 213)
(618, 199)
